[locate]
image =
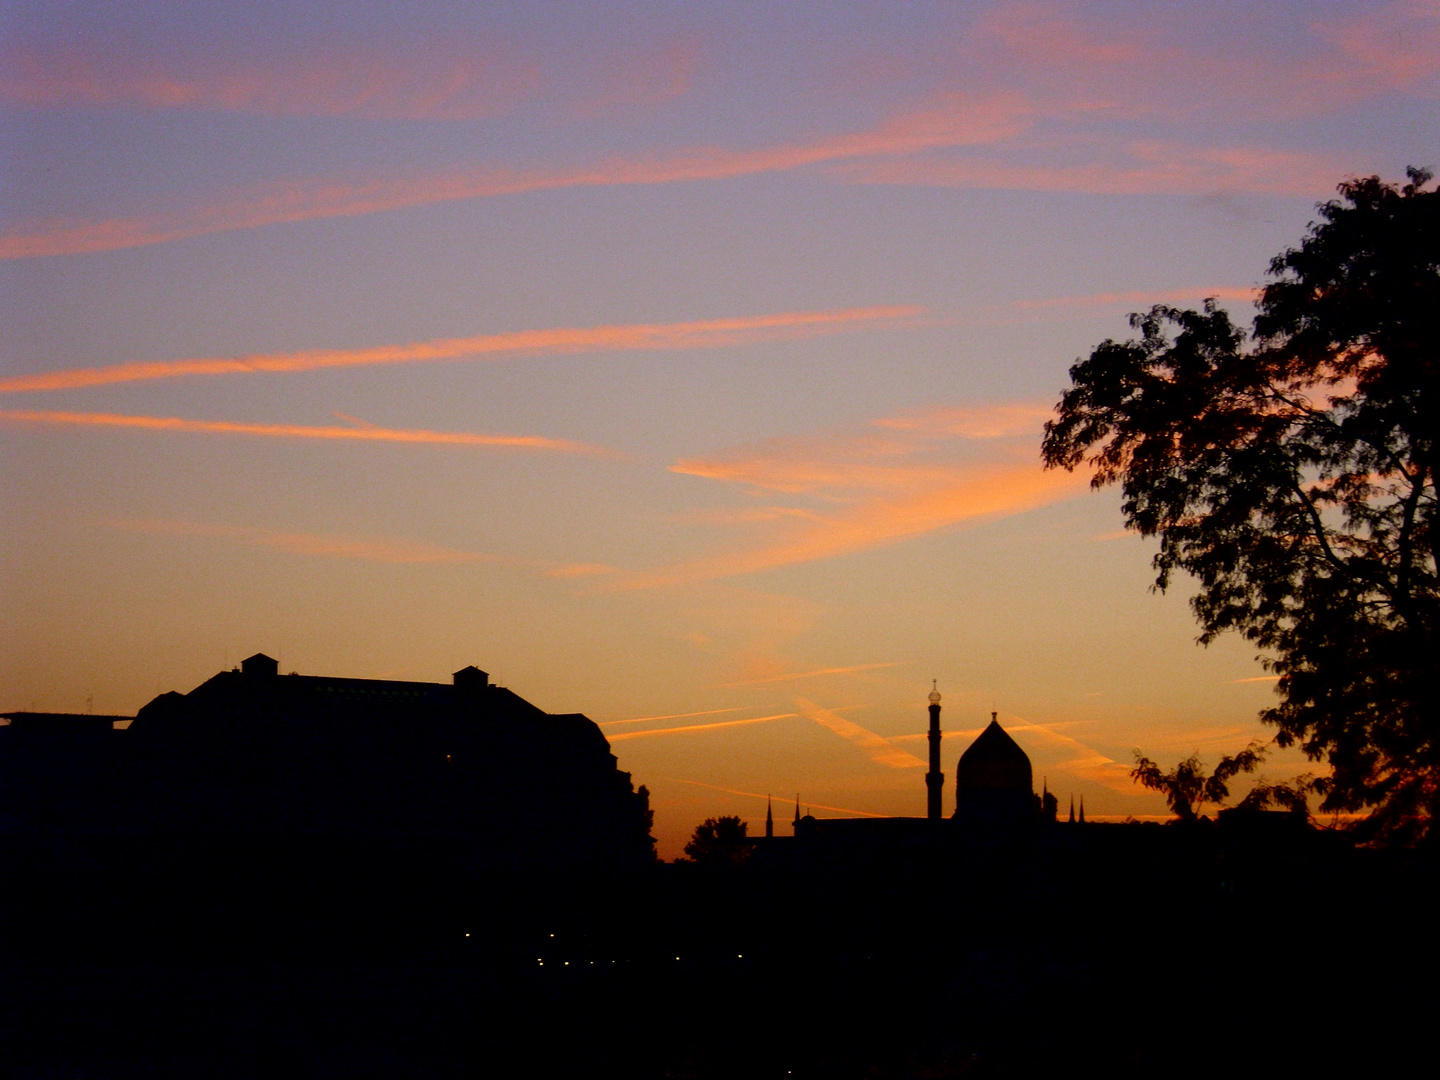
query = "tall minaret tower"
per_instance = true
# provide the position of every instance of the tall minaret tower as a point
(934, 779)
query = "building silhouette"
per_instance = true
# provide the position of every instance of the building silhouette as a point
(254, 752)
(993, 779)
(994, 793)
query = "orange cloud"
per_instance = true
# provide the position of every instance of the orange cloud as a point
(953, 120)
(298, 431)
(900, 477)
(368, 549)
(876, 747)
(434, 85)
(1142, 297)
(698, 334)
(941, 498)
(690, 729)
(996, 421)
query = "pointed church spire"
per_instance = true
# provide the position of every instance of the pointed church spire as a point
(797, 809)
(1072, 808)
(769, 819)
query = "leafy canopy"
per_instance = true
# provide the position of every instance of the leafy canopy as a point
(1292, 472)
(1188, 789)
(718, 842)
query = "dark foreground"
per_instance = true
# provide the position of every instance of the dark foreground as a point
(1126, 950)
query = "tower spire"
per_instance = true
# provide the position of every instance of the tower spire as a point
(797, 809)
(934, 779)
(769, 819)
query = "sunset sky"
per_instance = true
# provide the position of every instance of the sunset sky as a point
(679, 364)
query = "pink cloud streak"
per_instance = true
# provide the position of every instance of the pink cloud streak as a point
(1397, 47)
(1132, 168)
(367, 433)
(698, 334)
(369, 84)
(953, 120)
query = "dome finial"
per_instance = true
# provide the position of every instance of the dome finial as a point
(934, 692)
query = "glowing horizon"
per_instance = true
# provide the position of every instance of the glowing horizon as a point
(686, 371)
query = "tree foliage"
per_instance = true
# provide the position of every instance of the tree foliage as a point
(1292, 472)
(1186, 787)
(718, 842)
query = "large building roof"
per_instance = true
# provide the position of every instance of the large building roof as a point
(994, 762)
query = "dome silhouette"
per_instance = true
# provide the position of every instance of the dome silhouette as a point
(994, 762)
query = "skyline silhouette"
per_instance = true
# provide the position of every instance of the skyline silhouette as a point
(357, 875)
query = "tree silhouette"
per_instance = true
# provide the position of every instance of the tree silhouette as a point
(1294, 475)
(718, 842)
(1186, 787)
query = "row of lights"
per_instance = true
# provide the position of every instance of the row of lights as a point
(541, 960)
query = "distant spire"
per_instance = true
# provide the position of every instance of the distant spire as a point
(1082, 809)
(797, 808)
(1072, 808)
(769, 819)
(995, 719)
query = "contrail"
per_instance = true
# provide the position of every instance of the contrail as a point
(686, 728)
(672, 716)
(876, 747)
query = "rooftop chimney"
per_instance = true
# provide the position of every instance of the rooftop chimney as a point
(471, 679)
(260, 666)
